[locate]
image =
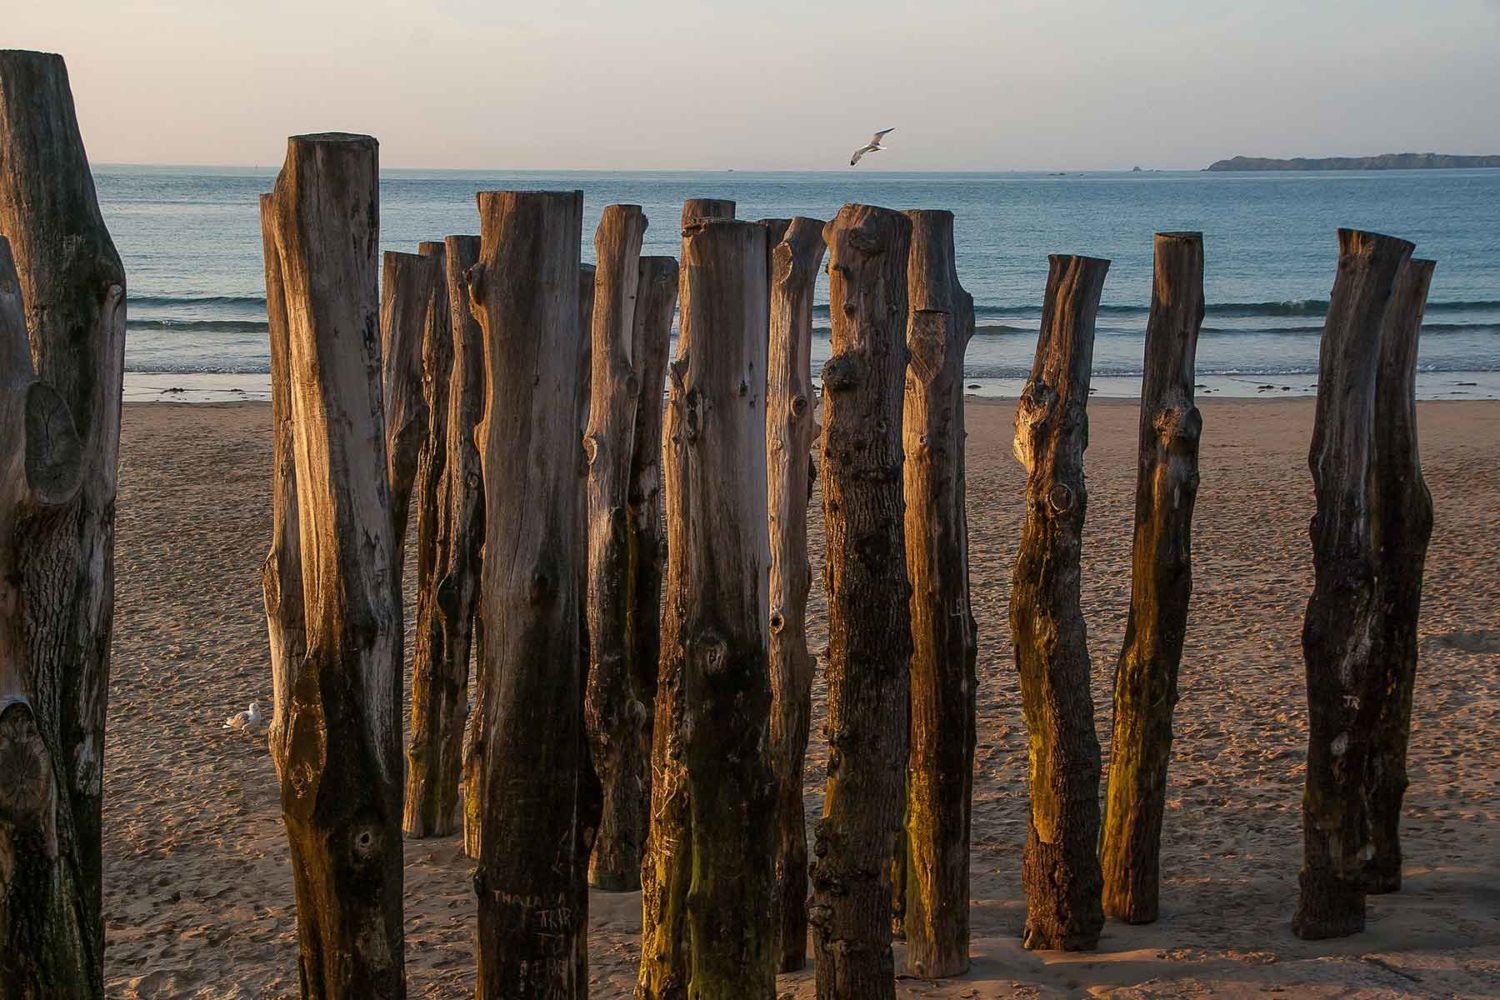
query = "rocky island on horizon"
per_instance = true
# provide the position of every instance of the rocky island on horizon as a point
(1385, 161)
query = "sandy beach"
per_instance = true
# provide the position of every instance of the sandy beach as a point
(198, 898)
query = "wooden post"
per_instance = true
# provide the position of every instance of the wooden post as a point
(667, 870)
(1060, 863)
(1343, 681)
(407, 285)
(72, 287)
(1161, 584)
(656, 301)
(530, 881)
(940, 773)
(789, 434)
(341, 787)
(1403, 527)
(613, 714)
(869, 623)
(440, 664)
(717, 560)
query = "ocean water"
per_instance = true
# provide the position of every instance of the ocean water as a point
(190, 239)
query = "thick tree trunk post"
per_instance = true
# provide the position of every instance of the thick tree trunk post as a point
(1403, 526)
(73, 291)
(407, 285)
(718, 557)
(530, 881)
(1161, 585)
(281, 574)
(789, 435)
(1060, 863)
(341, 797)
(940, 773)
(656, 301)
(869, 620)
(440, 672)
(41, 929)
(1343, 680)
(667, 870)
(612, 712)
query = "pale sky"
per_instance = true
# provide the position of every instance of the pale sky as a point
(776, 84)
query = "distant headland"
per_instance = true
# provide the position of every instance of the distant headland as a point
(1385, 161)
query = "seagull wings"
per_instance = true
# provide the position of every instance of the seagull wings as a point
(873, 146)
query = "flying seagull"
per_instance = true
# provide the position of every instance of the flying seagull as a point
(873, 146)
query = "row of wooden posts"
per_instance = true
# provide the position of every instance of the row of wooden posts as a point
(609, 745)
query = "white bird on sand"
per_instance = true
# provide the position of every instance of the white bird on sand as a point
(250, 719)
(873, 146)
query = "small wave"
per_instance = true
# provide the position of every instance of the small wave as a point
(187, 368)
(198, 325)
(198, 300)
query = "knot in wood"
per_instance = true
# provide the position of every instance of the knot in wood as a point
(714, 651)
(691, 418)
(591, 447)
(25, 772)
(365, 841)
(799, 405)
(1060, 498)
(778, 621)
(843, 371)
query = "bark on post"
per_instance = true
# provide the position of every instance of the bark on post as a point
(940, 772)
(531, 881)
(1060, 862)
(341, 787)
(869, 624)
(795, 258)
(656, 301)
(72, 288)
(667, 870)
(408, 283)
(613, 713)
(1403, 526)
(717, 566)
(1338, 633)
(1161, 585)
(440, 672)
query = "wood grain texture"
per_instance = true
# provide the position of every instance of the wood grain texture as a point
(940, 770)
(869, 625)
(1339, 631)
(1403, 526)
(796, 259)
(408, 284)
(341, 783)
(1060, 862)
(1161, 585)
(72, 295)
(530, 880)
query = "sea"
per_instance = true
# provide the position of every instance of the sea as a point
(190, 239)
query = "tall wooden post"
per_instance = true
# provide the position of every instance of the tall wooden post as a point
(530, 880)
(1161, 584)
(667, 870)
(1343, 681)
(940, 773)
(869, 624)
(613, 714)
(655, 304)
(1060, 863)
(440, 663)
(341, 783)
(790, 428)
(408, 284)
(1403, 527)
(54, 694)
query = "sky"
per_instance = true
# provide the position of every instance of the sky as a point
(775, 84)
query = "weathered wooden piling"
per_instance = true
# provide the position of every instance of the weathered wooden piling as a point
(869, 624)
(1060, 862)
(1403, 527)
(1161, 584)
(59, 501)
(790, 428)
(408, 283)
(440, 666)
(613, 714)
(703, 209)
(341, 780)
(531, 881)
(941, 764)
(1342, 615)
(655, 304)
